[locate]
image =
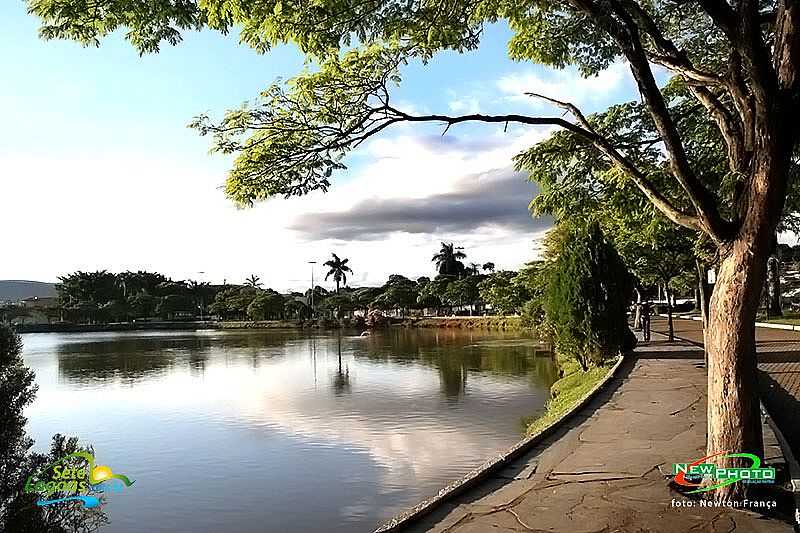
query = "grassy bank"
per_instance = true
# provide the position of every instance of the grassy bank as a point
(259, 324)
(468, 322)
(568, 391)
(789, 317)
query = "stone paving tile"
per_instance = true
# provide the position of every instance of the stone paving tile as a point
(607, 470)
(779, 361)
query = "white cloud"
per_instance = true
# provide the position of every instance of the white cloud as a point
(464, 104)
(566, 85)
(134, 211)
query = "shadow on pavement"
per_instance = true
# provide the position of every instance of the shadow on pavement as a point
(783, 406)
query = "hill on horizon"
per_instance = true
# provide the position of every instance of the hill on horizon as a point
(17, 289)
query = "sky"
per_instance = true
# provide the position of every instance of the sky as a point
(99, 171)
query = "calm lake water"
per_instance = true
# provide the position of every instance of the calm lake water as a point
(281, 430)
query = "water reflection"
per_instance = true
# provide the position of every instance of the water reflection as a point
(339, 431)
(341, 379)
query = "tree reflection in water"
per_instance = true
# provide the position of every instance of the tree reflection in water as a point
(455, 354)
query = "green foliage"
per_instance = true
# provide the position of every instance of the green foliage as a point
(296, 309)
(464, 291)
(267, 305)
(98, 297)
(295, 136)
(398, 292)
(232, 302)
(499, 291)
(431, 292)
(565, 393)
(338, 269)
(176, 306)
(147, 22)
(253, 281)
(448, 260)
(18, 510)
(587, 297)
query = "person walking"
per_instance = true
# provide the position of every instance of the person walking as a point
(646, 312)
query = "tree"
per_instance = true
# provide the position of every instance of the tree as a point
(432, 292)
(338, 269)
(338, 304)
(738, 62)
(657, 256)
(297, 309)
(587, 297)
(448, 260)
(267, 305)
(233, 301)
(202, 293)
(174, 306)
(488, 267)
(253, 281)
(399, 292)
(18, 510)
(499, 292)
(143, 304)
(464, 291)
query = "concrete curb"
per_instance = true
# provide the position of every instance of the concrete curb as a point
(788, 327)
(494, 464)
(791, 462)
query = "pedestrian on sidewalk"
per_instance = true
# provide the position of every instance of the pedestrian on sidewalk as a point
(646, 312)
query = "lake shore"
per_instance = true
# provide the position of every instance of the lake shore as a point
(457, 322)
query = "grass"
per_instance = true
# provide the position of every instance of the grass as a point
(787, 318)
(473, 322)
(567, 392)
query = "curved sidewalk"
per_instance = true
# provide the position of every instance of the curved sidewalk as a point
(607, 468)
(779, 362)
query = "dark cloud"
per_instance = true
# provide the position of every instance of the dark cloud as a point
(494, 198)
(455, 143)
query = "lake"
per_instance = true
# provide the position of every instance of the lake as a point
(278, 431)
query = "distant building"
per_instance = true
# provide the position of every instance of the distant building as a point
(39, 303)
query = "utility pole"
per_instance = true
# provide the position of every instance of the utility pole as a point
(312, 263)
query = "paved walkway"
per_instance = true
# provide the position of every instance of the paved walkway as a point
(779, 362)
(607, 469)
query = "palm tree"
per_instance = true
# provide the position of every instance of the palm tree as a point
(338, 269)
(473, 269)
(253, 281)
(488, 267)
(447, 260)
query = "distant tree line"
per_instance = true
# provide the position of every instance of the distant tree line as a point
(102, 297)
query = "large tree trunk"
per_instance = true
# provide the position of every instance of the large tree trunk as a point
(704, 291)
(670, 323)
(734, 422)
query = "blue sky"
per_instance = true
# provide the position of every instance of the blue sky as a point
(95, 144)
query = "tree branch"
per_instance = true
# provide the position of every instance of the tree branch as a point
(642, 182)
(727, 125)
(628, 39)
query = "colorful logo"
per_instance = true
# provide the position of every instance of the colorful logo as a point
(695, 473)
(75, 477)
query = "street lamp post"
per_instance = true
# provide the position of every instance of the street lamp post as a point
(200, 293)
(312, 263)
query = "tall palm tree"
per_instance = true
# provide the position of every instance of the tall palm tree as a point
(447, 260)
(338, 269)
(253, 281)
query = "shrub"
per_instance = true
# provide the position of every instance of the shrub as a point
(587, 297)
